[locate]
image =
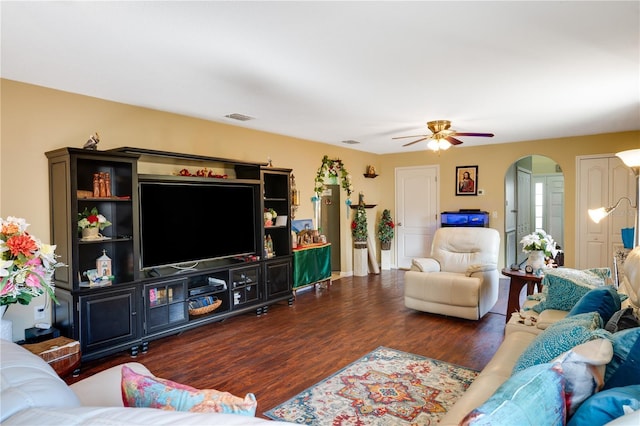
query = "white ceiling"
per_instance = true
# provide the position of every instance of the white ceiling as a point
(335, 71)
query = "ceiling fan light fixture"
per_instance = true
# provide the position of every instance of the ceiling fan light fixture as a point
(442, 137)
(433, 145)
(438, 145)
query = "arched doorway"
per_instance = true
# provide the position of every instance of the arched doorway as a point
(534, 199)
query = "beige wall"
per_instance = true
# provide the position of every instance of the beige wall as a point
(493, 162)
(35, 120)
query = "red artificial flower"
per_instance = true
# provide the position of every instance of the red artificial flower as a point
(93, 218)
(353, 225)
(21, 244)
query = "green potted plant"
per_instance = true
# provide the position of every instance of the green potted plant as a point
(90, 223)
(385, 230)
(359, 225)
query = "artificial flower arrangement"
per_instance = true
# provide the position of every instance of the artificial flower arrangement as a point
(386, 228)
(26, 263)
(332, 168)
(539, 241)
(92, 219)
(359, 225)
(269, 216)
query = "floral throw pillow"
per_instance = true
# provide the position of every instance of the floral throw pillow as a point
(144, 391)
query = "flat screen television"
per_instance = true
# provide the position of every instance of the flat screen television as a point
(183, 223)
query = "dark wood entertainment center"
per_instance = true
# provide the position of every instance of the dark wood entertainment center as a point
(141, 304)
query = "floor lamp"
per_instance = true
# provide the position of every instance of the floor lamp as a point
(632, 159)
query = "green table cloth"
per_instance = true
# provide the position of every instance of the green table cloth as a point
(311, 264)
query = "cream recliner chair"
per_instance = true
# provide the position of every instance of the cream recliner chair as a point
(461, 277)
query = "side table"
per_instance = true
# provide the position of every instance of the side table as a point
(518, 280)
(61, 353)
(311, 265)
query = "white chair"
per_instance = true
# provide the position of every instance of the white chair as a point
(460, 278)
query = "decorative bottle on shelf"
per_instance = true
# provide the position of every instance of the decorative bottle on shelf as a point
(107, 184)
(270, 246)
(96, 185)
(265, 248)
(102, 186)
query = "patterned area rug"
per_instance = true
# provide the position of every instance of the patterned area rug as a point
(385, 387)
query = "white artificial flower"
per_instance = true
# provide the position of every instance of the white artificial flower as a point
(4, 267)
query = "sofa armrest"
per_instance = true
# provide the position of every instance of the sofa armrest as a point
(425, 264)
(103, 389)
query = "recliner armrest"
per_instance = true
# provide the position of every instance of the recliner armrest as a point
(425, 264)
(480, 268)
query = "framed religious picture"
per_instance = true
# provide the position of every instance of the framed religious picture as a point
(466, 180)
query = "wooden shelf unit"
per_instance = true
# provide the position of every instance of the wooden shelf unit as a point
(139, 305)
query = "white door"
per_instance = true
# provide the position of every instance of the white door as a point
(593, 186)
(622, 183)
(510, 216)
(602, 181)
(554, 208)
(417, 206)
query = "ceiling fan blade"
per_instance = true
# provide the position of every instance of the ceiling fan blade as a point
(414, 136)
(485, 135)
(419, 140)
(453, 141)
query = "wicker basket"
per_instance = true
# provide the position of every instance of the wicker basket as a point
(214, 303)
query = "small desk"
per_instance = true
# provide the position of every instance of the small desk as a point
(311, 265)
(518, 280)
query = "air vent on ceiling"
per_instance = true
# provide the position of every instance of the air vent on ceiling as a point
(239, 117)
(351, 142)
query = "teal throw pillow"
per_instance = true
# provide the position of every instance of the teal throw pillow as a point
(606, 406)
(604, 300)
(561, 337)
(534, 396)
(624, 368)
(562, 288)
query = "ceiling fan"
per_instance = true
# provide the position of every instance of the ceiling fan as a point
(442, 137)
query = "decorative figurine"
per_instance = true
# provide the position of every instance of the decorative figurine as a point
(92, 143)
(371, 171)
(103, 265)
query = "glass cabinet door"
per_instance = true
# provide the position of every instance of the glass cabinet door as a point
(245, 285)
(165, 304)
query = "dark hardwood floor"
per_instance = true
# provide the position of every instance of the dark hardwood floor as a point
(279, 354)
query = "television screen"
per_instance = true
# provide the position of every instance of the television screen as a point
(189, 222)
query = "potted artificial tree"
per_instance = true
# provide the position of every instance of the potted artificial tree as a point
(385, 235)
(359, 233)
